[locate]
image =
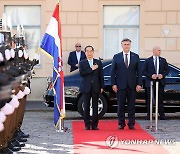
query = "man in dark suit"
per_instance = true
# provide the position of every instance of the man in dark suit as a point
(126, 79)
(75, 57)
(156, 67)
(91, 85)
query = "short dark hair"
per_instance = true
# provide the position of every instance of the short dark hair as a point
(126, 39)
(88, 47)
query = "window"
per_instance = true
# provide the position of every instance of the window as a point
(120, 22)
(173, 72)
(107, 69)
(30, 18)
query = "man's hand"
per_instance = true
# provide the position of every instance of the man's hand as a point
(154, 76)
(138, 88)
(94, 67)
(102, 90)
(160, 76)
(77, 65)
(115, 89)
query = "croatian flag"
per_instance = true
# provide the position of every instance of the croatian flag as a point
(51, 44)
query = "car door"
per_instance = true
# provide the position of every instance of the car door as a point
(172, 89)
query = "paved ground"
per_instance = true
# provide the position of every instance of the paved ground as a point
(38, 122)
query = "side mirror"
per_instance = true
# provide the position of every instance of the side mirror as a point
(100, 58)
(49, 79)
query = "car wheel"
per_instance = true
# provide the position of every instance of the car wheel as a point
(102, 106)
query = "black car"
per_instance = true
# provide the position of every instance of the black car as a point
(107, 100)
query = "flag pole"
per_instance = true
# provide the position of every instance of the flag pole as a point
(61, 127)
(61, 124)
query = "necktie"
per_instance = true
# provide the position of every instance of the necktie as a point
(90, 63)
(126, 60)
(155, 65)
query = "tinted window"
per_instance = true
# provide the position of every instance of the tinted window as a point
(173, 72)
(142, 64)
(107, 70)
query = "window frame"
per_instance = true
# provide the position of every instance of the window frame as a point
(120, 28)
(31, 26)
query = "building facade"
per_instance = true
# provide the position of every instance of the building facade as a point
(100, 23)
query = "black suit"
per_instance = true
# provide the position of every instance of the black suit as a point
(91, 84)
(72, 59)
(126, 80)
(148, 71)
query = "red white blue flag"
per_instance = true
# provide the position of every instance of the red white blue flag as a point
(52, 45)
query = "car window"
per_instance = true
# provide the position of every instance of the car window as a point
(107, 70)
(73, 72)
(142, 63)
(173, 72)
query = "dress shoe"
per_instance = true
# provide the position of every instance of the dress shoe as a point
(12, 147)
(120, 127)
(87, 128)
(147, 118)
(6, 151)
(21, 139)
(131, 127)
(22, 134)
(15, 149)
(95, 128)
(17, 143)
(163, 118)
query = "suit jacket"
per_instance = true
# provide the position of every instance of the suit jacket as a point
(123, 76)
(72, 60)
(149, 70)
(91, 79)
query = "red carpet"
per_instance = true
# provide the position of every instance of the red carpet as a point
(110, 140)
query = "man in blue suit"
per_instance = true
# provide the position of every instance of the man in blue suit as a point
(92, 84)
(126, 80)
(75, 57)
(156, 67)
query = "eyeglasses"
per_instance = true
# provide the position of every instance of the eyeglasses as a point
(78, 46)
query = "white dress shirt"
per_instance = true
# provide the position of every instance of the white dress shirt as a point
(154, 59)
(78, 55)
